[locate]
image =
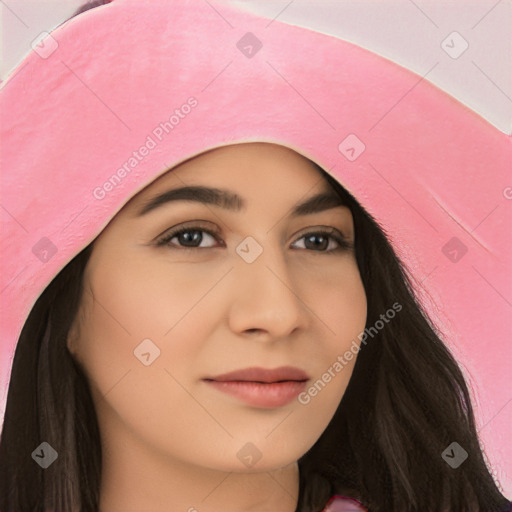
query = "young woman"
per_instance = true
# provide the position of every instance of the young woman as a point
(232, 332)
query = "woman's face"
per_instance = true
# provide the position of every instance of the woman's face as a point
(160, 314)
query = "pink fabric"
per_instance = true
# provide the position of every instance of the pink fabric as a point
(175, 78)
(342, 504)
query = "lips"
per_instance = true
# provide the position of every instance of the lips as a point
(256, 374)
(261, 387)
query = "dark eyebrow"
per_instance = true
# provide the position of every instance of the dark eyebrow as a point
(233, 202)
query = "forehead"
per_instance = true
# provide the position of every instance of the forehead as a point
(247, 166)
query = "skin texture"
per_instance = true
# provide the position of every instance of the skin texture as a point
(170, 440)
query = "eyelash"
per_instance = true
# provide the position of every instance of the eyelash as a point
(343, 244)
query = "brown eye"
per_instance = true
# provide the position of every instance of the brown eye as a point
(188, 238)
(319, 241)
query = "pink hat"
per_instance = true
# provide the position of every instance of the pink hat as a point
(115, 97)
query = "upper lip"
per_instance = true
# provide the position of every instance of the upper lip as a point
(256, 374)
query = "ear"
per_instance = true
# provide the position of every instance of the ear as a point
(73, 337)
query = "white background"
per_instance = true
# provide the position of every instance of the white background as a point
(409, 32)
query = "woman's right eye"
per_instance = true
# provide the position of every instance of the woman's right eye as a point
(182, 236)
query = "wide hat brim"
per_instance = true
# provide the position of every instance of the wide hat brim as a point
(78, 112)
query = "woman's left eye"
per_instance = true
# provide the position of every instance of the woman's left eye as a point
(189, 237)
(321, 241)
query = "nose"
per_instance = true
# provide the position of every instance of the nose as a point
(266, 298)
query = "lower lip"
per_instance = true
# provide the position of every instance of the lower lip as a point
(275, 394)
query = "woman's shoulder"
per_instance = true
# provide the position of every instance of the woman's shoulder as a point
(343, 504)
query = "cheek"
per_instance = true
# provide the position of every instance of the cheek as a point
(129, 299)
(134, 301)
(348, 313)
(146, 298)
(339, 300)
